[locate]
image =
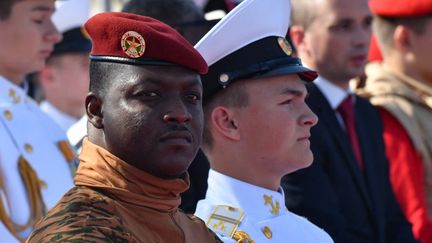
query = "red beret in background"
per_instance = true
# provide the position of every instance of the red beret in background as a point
(401, 8)
(140, 40)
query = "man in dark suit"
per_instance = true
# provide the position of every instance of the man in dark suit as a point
(346, 191)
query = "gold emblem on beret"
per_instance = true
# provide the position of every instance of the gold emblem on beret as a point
(133, 44)
(285, 46)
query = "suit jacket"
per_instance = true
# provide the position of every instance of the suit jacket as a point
(353, 206)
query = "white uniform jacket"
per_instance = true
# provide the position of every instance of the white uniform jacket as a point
(237, 211)
(28, 134)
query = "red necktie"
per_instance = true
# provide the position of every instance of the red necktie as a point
(346, 109)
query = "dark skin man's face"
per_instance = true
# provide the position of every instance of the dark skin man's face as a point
(153, 118)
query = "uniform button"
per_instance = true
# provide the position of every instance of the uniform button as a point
(15, 98)
(28, 148)
(11, 92)
(267, 232)
(8, 115)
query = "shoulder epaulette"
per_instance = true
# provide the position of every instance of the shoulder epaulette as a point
(224, 220)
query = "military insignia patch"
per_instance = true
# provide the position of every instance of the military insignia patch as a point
(274, 207)
(133, 44)
(242, 237)
(285, 46)
(225, 219)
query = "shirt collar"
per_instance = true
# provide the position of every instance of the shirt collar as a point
(257, 202)
(334, 94)
(63, 119)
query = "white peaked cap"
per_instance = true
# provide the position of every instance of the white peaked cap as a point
(249, 42)
(71, 14)
(250, 21)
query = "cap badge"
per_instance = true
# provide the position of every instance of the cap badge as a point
(285, 46)
(133, 44)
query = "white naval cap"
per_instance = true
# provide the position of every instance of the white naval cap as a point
(71, 14)
(249, 42)
(69, 18)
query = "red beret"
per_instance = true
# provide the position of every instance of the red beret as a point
(140, 40)
(401, 8)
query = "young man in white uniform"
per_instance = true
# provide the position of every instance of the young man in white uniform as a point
(35, 157)
(256, 126)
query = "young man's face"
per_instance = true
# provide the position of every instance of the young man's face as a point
(65, 82)
(422, 54)
(338, 39)
(153, 118)
(275, 126)
(27, 38)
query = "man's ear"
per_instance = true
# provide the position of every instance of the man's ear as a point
(402, 38)
(46, 76)
(93, 105)
(297, 36)
(223, 122)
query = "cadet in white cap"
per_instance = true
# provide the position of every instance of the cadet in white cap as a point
(256, 126)
(35, 157)
(65, 79)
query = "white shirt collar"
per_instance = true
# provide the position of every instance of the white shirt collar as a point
(225, 190)
(334, 94)
(65, 121)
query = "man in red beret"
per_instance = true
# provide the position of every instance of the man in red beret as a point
(145, 125)
(401, 87)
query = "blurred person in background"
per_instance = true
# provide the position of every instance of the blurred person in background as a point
(347, 189)
(401, 87)
(64, 80)
(36, 161)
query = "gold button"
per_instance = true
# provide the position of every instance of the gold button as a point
(28, 148)
(285, 46)
(12, 93)
(267, 232)
(8, 115)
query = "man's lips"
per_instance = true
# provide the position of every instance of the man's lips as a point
(177, 137)
(304, 138)
(46, 53)
(359, 59)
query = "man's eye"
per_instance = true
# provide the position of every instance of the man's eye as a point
(151, 94)
(38, 21)
(193, 97)
(286, 102)
(146, 94)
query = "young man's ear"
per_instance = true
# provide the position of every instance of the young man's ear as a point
(223, 123)
(93, 105)
(296, 34)
(402, 38)
(46, 76)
